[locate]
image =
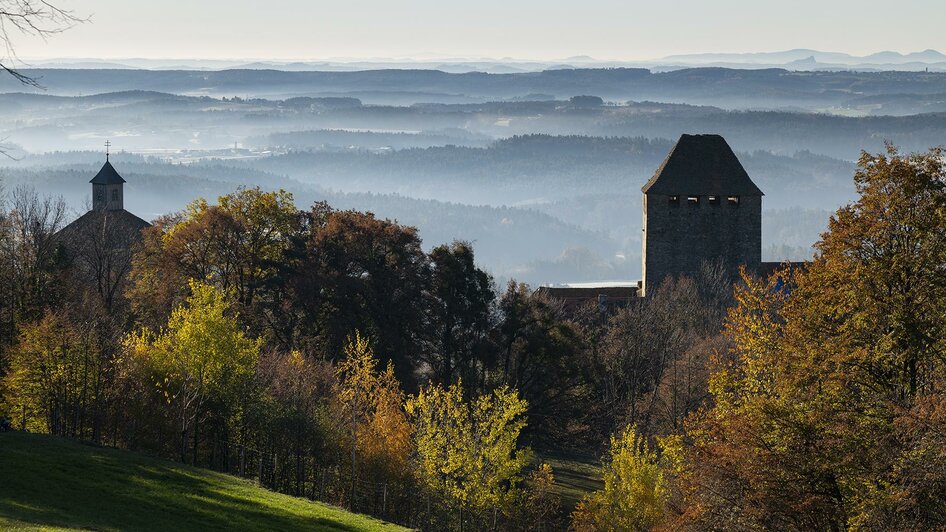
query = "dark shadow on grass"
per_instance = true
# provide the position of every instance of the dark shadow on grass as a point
(50, 481)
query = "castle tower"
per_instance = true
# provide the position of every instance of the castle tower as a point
(107, 191)
(700, 206)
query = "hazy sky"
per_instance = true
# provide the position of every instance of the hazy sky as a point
(527, 29)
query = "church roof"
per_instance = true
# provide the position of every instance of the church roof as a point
(701, 165)
(96, 219)
(107, 176)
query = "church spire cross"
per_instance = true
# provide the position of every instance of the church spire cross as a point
(108, 145)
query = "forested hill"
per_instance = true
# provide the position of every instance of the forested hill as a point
(731, 88)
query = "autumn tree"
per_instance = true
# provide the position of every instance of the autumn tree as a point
(372, 403)
(646, 364)
(55, 381)
(468, 453)
(236, 245)
(831, 414)
(539, 506)
(30, 262)
(201, 359)
(634, 493)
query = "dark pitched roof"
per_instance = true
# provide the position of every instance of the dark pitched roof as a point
(107, 176)
(588, 293)
(572, 298)
(95, 220)
(701, 165)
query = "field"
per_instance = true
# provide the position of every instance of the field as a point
(49, 483)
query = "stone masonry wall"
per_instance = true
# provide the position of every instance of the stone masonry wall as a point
(679, 238)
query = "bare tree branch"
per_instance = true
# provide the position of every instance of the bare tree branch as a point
(36, 18)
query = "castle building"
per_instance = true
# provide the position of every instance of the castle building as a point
(99, 243)
(700, 206)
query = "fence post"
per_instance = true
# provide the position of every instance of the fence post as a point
(315, 477)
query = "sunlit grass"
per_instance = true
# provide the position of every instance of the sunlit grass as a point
(52, 483)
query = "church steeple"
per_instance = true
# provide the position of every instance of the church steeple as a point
(107, 191)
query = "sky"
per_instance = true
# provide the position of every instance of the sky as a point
(522, 29)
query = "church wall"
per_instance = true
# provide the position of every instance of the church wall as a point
(115, 193)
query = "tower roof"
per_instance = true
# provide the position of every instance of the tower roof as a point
(107, 176)
(701, 165)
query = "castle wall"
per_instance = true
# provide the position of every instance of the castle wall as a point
(678, 238)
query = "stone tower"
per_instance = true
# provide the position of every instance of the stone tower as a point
(107, 192)
(700, 206)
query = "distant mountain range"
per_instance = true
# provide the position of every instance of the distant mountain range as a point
(805, 59)
(797, 59)
(802, 54)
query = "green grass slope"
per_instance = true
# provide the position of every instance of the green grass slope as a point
(49, 483)
(575, 477)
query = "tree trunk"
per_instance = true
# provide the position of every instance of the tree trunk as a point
(196, 435)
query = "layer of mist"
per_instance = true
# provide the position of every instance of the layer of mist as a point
(541, 172)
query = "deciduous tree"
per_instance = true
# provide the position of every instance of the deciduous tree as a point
(202, 356)
(468, 453)
(635, 491)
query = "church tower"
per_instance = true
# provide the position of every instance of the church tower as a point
(107, 191)
(700, 206)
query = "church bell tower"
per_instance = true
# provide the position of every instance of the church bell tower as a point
(107, 188)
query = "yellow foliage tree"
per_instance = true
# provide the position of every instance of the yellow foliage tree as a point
(54, 376)
(832, 415)
(634, 493)
(203, 354)
(373, 404)
(468, 451)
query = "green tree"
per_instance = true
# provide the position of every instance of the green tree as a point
(202, 356)
(294, 417)
(352, 271)
(461, 317)
(538, 357)
(56, 374)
